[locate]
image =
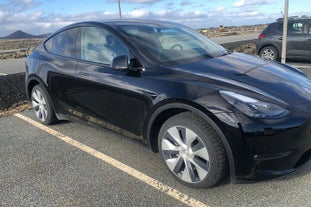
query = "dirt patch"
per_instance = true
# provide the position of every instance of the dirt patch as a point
(248, 48)
(15, 109)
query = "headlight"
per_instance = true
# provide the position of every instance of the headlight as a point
(253, 107)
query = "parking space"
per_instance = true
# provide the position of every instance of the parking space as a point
(304, 65)
(40, 168)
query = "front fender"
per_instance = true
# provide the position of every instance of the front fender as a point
(178, 107)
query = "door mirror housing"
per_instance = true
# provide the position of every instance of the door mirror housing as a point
(120, 62)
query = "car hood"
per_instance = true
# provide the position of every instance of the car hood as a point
(238, 71)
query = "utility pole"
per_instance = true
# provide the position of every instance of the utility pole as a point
(120, 15)
(284, 40)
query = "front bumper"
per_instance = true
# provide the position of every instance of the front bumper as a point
(279, 151)
(264, 149)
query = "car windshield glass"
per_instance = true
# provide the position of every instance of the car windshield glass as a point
(172, 44)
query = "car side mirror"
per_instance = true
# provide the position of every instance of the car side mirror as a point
(120, 62)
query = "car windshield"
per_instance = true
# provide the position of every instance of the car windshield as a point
(173, 44)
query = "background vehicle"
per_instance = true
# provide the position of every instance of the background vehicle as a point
(205, 110)
(269, 42)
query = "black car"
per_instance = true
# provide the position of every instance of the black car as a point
(208, 112)
(269, 44)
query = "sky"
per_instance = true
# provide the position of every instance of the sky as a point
(46, 16)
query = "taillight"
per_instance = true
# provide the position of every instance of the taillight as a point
(261, 36)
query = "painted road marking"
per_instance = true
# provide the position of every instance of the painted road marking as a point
(3, 74)
(184, 198)
(302, 66)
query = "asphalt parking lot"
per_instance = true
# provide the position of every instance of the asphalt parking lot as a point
(78, 165)
(71, 164)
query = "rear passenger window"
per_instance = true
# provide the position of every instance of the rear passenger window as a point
(296, 28)
(63, 43)
(293, 27)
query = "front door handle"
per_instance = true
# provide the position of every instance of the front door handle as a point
(280, 38)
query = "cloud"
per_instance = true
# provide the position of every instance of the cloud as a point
(185, 3)
(36, 22)
(219, 9)
(161, 13)
(243, 3)
(137, 13)
(27, 1)
(136, 1)
(239, 3)
(18, 5)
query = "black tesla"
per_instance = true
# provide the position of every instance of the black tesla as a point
(208, 112)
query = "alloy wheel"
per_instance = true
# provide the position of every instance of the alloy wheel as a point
(185, 154)
(39, 105)
(268, 54)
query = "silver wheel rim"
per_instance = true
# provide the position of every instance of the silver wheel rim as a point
(185, 154)
(268, 54)
(39, 105)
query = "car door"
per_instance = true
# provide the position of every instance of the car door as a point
(60, 66)
(103, 95)
(308, 39)
(296, 39)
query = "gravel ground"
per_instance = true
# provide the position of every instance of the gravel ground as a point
(12, 91)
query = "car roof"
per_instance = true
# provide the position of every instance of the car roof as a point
(136, 21)
(123, 22)
(292, 18)
(120, 22)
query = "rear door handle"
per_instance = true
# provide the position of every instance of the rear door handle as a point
(280, 38)
(149, 93)
(83, 73)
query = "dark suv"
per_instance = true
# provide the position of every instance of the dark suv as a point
(206, 111)
(269, 44)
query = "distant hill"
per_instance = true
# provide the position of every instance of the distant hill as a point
(19, 35)
(23, 35)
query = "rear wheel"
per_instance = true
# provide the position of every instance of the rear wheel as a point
(41, 105)
(192, 150)
(269, 53)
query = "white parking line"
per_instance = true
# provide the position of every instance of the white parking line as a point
(3, 74)
(302, 66)
(184, 198)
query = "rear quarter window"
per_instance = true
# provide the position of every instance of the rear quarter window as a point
(63, 43)
(271, 29)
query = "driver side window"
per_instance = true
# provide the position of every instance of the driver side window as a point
(100, 46)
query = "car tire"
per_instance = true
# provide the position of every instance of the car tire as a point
(42, 106)
(269, 53)
(192, 150)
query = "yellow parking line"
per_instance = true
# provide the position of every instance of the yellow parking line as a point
(184, 198)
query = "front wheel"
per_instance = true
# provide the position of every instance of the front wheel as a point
(42, 106)
(192, 150)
